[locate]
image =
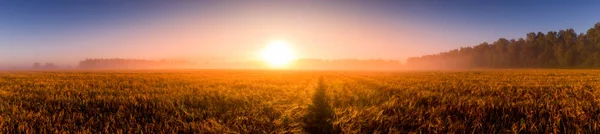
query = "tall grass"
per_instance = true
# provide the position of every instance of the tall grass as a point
(486, 101)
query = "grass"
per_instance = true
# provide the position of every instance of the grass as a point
(213, 101)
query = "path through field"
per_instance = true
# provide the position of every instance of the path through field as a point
(320, 114)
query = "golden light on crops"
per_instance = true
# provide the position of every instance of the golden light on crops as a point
(278, 54)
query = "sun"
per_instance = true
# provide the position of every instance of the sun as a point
(278, 54)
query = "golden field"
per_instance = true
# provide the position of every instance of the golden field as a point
(228, 101)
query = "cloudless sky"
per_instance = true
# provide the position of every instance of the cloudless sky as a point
(67, 31)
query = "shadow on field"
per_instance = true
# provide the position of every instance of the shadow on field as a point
(319, 117)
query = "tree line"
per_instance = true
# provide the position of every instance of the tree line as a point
(562, 49)
(311, 64)
(119, 63)
(37, 65)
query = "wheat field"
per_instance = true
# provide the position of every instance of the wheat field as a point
(279, 101)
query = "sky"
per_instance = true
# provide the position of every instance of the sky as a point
(67, 31)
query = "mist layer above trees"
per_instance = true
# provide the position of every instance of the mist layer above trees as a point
(562, 49)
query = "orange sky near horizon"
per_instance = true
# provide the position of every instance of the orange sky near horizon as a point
(233, 33)
(65, 33)
(240, 35)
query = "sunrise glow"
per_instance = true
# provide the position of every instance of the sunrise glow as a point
(278, 54)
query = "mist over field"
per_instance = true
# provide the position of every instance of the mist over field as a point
(316, 67)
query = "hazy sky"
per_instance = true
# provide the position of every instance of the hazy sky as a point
(65, 32)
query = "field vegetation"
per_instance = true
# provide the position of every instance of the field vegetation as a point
(219, 101)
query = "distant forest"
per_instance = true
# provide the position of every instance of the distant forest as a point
(310, 64)
(118, 63)
(562, 49)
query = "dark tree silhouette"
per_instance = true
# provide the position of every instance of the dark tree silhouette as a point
(562, 49)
